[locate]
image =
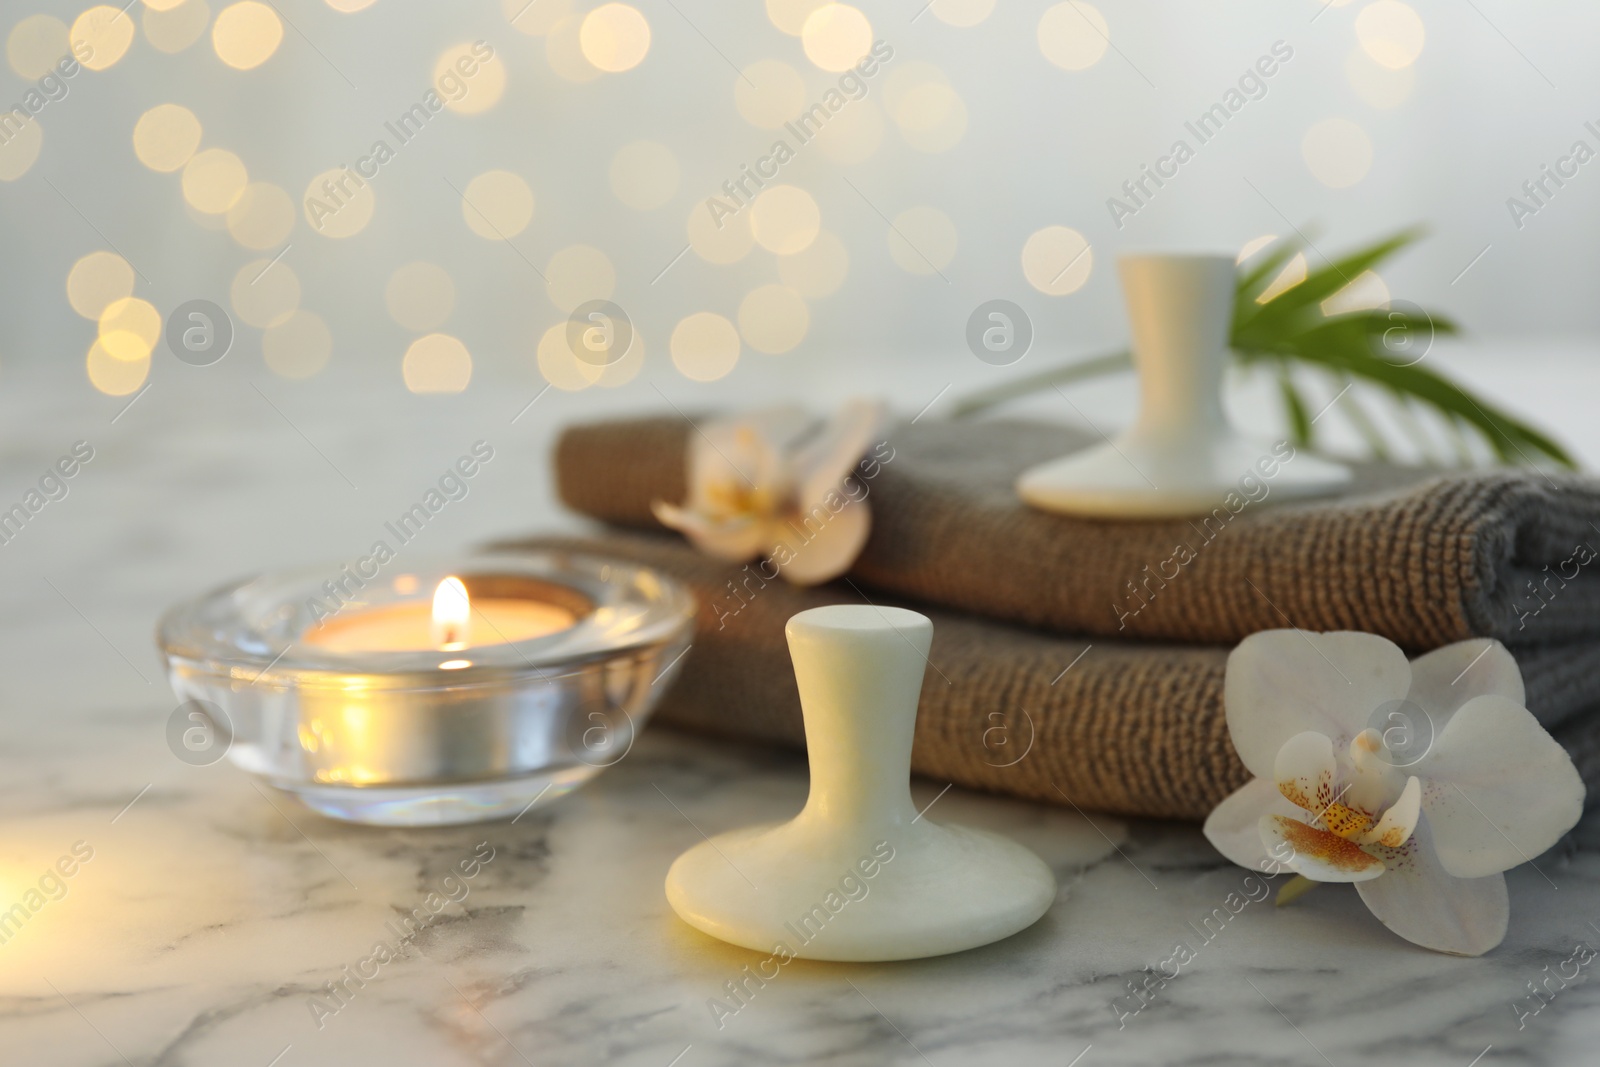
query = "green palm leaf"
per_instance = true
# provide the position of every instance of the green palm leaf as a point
(1383, 348)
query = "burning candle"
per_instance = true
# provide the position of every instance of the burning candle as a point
(454, 621)
(518, 679)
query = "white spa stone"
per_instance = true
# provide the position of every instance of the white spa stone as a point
(1181, 457)
(859, 875)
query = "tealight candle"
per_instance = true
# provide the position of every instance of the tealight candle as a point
(454, 621)
(517, 680)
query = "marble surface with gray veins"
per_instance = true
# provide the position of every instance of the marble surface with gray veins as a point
(211, 918)
(205, 917)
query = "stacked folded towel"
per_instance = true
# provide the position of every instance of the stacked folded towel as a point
(1099, 682)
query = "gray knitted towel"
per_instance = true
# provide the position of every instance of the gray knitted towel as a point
(1133, 728)
(1421, 559)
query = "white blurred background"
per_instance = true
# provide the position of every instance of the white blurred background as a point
(993, 122)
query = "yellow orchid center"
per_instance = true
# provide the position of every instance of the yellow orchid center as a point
(1355, 811)
(727, 497)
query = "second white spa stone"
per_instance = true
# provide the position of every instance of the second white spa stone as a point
(858, 875)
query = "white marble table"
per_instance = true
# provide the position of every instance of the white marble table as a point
(212, 916)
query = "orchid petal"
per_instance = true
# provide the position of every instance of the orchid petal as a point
(824, 462)
(1304, 769)
(1319, 855)
(1283, 682)
(823, 544)
(749, 452)
(732, 539)
(1397, 824)
(1428, 906)
(1234, 826)
(1499, 791)
(1448, 677)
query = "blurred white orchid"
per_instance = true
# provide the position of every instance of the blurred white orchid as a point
(776, 483)
(1420, 782)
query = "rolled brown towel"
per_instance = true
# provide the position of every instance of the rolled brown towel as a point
(1422, 559)
(1132, 728)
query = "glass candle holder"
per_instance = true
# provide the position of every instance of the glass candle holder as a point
(404, 736)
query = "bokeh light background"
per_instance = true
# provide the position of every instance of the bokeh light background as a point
(575, 161)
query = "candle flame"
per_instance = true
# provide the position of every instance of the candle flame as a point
(452, 615)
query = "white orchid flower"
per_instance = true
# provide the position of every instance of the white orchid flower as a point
(776, 484)
(1420, 782)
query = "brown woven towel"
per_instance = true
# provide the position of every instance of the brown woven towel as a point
(1128, 728)
(1420, 559)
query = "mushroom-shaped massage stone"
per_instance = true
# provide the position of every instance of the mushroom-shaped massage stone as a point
(859, 875)
(1181, 457)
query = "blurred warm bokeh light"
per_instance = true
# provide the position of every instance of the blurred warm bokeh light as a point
(1290, 275)
(469, 78)
(437, 363)
(246, 34)
(129, 329)
(213, 180)
(498, 205)
(705, 346)
(1249, 249)
(177, 27)
(1074, 35)
(1391, 33)
(962, 13)
(35, 44)
(764, 254)
(339, 203)
(790, 15)
(101, 36)
(614, 37)
(560, 366)
(18, 154)
(624, 370)
(836, 36)
(97, 281)
(113, 376)
(262, 217)
(785, 219)
(1365, 292)
(166, 137)
(928, 111)
(1338, 152)
(1057, 260)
